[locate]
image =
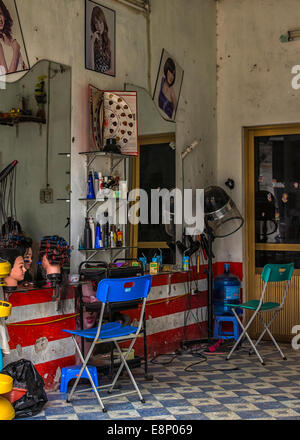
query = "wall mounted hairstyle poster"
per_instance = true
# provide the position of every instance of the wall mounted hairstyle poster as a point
(13, 55)
(168, 86)
(100, 41)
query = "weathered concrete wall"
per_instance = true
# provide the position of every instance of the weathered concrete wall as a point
(253, 85)
(54, 29)
(187, 31)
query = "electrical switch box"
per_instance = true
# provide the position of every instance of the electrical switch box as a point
(46, 195)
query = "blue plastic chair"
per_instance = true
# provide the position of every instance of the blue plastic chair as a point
(279, 273)
(113, 290)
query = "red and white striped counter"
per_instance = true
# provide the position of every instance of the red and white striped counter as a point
(35, 332)
(173, 315)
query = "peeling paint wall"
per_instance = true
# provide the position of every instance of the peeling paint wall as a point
(253, 85)
(54, 29)
(187, 31)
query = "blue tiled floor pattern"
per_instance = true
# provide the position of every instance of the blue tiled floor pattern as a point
(251, 391)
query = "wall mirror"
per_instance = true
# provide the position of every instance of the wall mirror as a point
(35, 130)
(155, 168)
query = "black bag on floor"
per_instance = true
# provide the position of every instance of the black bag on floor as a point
(26, 376)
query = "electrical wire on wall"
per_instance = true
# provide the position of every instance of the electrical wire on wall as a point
(51, 74)
(188, 306)
(145, 7)
(140, 5)
(8, 209)
(48, 125)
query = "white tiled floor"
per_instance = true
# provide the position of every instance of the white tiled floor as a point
(243, 390)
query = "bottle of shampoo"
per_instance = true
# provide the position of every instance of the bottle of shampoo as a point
(87, 235)
(92, 227)
(112, 241)
(99, 189)
(96, 182)
(106, 231)
(91, 192)
(119, 238)
(115, 235)
(98, 239)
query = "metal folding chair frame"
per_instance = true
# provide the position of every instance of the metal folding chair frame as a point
(257, 312)
(123, 358)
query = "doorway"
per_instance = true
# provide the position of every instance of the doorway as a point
(272, 216)
(154, 168)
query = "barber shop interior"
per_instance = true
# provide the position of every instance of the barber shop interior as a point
(150, 211)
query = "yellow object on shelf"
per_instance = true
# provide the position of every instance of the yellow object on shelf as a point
(7, 411)
(153, 268)
(124, 351)
(6, 383)
(5, 309)
(5, 268)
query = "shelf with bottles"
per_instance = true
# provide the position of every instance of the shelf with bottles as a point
(108, 185)
(102, 234)
(96, 193)
(101, 189)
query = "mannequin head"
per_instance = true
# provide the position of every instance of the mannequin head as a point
(15, 258)
(26, 245)
(49, 267)
(53, 254)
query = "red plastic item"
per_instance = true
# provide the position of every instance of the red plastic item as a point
(214, 347)
(14, 394)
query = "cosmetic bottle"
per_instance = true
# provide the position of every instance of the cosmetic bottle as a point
(115, 235)
(112, 240)
(123, 189)
(87, 235)
(98, 239)
(106, 190)
(119, 238)
(100, 186)
(91, 192)
(92, 227)
(106, 231)
(96, 182)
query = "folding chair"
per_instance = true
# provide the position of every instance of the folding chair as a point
(271, 273)
(120, 290)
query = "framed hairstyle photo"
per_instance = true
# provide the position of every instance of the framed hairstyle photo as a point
(13, 54)
(100, 38)
(168, 86)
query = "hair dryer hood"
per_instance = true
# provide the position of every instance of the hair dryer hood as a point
(221, 214)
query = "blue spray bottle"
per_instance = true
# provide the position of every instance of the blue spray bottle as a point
(96, 182)
(98, 239)
(91, 192)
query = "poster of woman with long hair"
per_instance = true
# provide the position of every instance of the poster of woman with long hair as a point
(99, 38)
(168, 86)
(13, 55)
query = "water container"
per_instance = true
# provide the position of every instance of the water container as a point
(226, 289)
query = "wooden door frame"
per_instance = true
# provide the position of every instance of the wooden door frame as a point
(249, 192)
